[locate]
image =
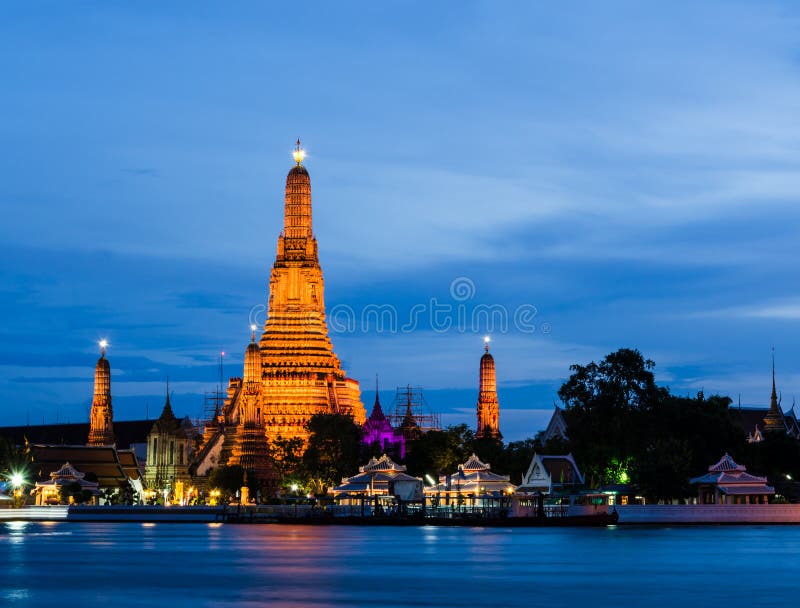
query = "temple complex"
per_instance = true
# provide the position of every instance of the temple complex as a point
(291, 373)
(101, 430)
(488, 406)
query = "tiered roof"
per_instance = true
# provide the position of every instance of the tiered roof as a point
(733, 479)
(375, 477)
(473, 477)
(101, 461)
(67, 475)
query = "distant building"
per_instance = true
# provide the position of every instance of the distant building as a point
(549, 474)
(101, 419)
(728, 483)
(378, 431)
(95, 454)
(756, 422)
(169, 451)
(488, 408)
(112, 469)
(129, 435)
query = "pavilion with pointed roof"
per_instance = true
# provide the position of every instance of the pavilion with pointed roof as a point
(729, 483)
(473, 482)
(379, 478)
(49, 492)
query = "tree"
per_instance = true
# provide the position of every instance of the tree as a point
(333, 452)
(604, 405)
(227, 479)
(437, 452)
(287, 456)
(623, 427)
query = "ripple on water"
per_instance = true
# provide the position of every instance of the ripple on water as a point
(285, 566)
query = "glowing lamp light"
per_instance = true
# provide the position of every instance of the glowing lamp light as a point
(430, 479)
(298, 154)
(486, 339)
(103, 344)
(17, 480)
(253, 327)
(294, 487)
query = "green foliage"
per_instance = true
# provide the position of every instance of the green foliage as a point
(438, 452)
(333, 452)
(287, 456)
(227, 479)
(622, 425)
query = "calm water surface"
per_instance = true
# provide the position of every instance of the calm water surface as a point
(69, 564)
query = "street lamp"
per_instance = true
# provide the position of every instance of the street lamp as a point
(17, 480)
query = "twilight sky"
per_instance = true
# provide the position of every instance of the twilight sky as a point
(629, 173)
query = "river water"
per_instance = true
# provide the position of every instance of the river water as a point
(81, 564)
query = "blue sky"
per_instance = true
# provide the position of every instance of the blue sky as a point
(630, 171)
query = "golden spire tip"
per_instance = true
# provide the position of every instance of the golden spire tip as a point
(299, 154)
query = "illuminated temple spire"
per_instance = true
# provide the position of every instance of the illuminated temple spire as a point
(774, 421)
(488, 406)
(300, 375)
(101, 431)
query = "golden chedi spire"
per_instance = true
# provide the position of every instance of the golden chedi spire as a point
(101, 431)
(300, 374)
(488, 405)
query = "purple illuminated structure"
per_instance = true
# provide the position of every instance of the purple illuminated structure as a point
(378, 430)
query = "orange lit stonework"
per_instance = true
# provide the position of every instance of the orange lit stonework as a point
(488, 406)
(291, 373)
(101, 431)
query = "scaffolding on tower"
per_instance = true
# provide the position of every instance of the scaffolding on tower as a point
(213, 401)
(410, 399)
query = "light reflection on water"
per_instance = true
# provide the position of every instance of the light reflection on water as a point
(285, 566)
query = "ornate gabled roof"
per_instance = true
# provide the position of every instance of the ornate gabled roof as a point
(384, 463)
(67, 471)
(474, 464)
(726, 463)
